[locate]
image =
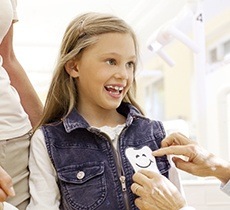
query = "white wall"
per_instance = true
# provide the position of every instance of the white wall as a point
(205, 194)
(38, 33)
(217, 82)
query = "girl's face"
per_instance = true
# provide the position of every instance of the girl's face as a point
(105, 71)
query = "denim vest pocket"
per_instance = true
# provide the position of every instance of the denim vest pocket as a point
(83, 185)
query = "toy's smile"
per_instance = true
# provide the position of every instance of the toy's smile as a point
(141, 166)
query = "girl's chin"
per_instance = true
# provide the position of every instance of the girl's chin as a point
(111, 106)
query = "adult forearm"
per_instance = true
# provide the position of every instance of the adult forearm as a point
(19, 79)
(29, 98)
(222, 171)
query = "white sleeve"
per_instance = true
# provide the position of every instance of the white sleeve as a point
(226, 188)
(174, 176)
(8, 206)
(187, 208)
(44, 190)
(15, 15)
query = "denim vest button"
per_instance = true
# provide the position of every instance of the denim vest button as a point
(80, 174)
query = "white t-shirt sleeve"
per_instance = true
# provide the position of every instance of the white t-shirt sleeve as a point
(15, 15)
(174, 176)
(44, 190)
(187, 208)
(8, 206)
(226, 188)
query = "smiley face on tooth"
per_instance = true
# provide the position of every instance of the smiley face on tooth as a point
(141, 159)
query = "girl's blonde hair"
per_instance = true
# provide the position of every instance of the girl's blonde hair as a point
(82, 32)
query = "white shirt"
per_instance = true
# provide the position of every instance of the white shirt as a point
(8, 206)
(187, 208)
(44, 190)
(226, 188)
(7, 15)
(14, 121)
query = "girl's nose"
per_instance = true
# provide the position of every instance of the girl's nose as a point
(122, 72)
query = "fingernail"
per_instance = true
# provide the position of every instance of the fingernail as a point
(12, 192)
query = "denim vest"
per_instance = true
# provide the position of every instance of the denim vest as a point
(91, 174)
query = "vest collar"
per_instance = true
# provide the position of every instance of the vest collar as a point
(74, 120)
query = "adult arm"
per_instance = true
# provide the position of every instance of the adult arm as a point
(199, 161)
(19, 79)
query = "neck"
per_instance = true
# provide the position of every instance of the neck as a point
(102, 117)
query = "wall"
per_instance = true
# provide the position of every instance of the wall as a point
(205, 194)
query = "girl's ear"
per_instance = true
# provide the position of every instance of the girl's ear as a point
(71, 68)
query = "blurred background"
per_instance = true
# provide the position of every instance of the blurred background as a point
(183, 77)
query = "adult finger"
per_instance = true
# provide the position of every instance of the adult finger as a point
(175, 139)
(173, 150)
(149, 174)
(3, 196)
(6, 184)
(137, 189)
(146, 179)
(183, 165)
(143, 205)
(140, 178)
(1, 206)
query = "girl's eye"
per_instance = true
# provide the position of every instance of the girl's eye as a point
(131, 65)
(111, 61)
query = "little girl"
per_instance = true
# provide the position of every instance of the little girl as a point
(93, 136)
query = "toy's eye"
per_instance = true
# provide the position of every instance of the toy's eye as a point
(137, 156)
(144, 155)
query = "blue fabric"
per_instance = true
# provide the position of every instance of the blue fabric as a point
(88, 166)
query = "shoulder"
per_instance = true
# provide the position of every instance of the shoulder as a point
(38, 138)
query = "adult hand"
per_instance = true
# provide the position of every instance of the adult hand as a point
(6, 185)
(199, 161)
(155, 192)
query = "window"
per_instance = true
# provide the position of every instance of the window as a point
(219, 52)
(226, 46)
(228, 124)
(154, 106)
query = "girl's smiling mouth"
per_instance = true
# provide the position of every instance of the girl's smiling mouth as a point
(117, 90)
